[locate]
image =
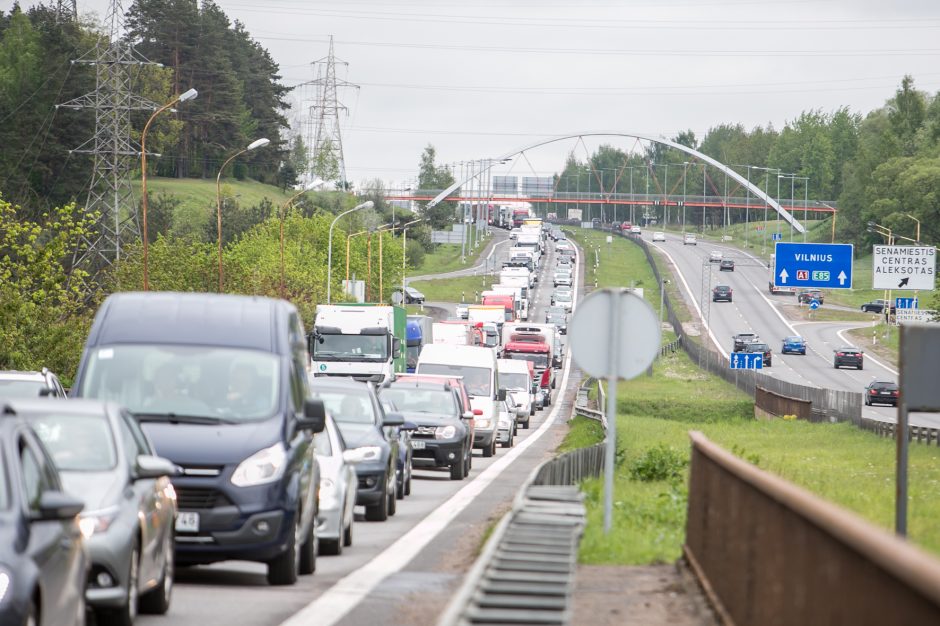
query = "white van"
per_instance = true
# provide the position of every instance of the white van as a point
(516, 378)
(477, 365)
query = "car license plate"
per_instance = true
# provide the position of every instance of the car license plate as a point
(187, 522)
(886, 393)
(417, 444)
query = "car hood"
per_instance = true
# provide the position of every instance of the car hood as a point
(430, 419)
(97, 490)
(358, 435)
(219, 444)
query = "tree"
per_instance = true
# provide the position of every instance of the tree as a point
(907, 112)
(434, 177)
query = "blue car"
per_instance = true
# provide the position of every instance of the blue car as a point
(794, 345)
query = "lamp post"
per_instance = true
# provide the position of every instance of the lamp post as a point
(833, 209)
(368, 204)
(284, 206)
(908, 215)
(187, 95)
(348, 240)
(254, 145)
(685, 172)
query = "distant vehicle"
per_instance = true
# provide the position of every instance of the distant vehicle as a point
(30, 385)
(104, 457)
(556, 315)
(506, 425)
(412, 295)
(689, 240)
(780, 291)
(726, 265)
(806, 296)
(462, 311)
(659, 236)
(877, 306)
(714, 256)
(45, 567)
(517, 378)
(793, 345)
(363, 341)
(742, 339)
(759, 348)
(881, 392)
(562, 298)
(636, 230)
(562, 278)
(338, 484)
(722, 292)
(848, 356)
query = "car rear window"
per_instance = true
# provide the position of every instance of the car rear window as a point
(21, 388)
(77, 443)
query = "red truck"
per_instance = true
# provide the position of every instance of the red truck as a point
(506, 300)
(540, 355)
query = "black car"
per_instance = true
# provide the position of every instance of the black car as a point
(881, 392)
(442, 438)
(218, 383)
(726, 265)
(742, 339)
(877, 306)
(412, 295)
(44, 563)
(848, 356)
(364, 424)
(757, 347)
(722, 292)
(806, 296)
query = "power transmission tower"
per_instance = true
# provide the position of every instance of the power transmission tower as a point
(324, 138)
(114, 151)
(67, 8)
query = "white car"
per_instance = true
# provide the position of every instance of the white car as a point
(689, 240)
(636, 230)
(562, 299)
(338, 485)
(562, 279)
(463, 311)
(659, 236)
(506, 424)
(714, 256)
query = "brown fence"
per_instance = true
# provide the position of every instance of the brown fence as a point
(769, 403)
(769, 552)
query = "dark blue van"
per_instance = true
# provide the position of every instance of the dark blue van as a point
(219, 384)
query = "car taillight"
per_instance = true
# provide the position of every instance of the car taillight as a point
(874, 391)
(894, 393)
(839, 354)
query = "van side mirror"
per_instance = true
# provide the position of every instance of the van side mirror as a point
(501, 395)
(396, 346)
(314, 417)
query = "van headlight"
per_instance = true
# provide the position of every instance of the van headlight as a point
(264, 466)
(445, 432)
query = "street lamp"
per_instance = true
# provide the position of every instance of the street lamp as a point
(368, 204)
(187, 95)
(254, 145)
(833, 209)
(284, 206)
(404, 252)
(908, 215)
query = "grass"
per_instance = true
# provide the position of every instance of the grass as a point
(584, 432)
(202, 193)
(446, 258)
(888, 341)
(460, 289)
(823, 314)
(838, 462)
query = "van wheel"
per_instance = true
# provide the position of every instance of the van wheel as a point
(525, 424)
(378, 512)
(309, 549)
(282, 569)
(348, 534)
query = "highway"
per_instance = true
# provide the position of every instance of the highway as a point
(399, 572)
(753, 309)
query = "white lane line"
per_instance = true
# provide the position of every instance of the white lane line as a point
(353, 588)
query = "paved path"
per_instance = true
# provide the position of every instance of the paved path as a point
(500, 238)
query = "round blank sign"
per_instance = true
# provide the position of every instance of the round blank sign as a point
(590, 334)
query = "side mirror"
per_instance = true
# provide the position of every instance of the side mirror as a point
(58, 506)
(148, 466)
(394, 419)
(45, 392)
(314, 417)
(409, 426)
(354, 456)
(501, 395)
(396, 346)
(468, 415)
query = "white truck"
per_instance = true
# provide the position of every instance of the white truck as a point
(508, 272)
(519, 289)
(487, 313)
(365, 342)
(452, 333)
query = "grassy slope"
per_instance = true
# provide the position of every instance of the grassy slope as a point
(446, 258)
(202, 193)
(461, 289)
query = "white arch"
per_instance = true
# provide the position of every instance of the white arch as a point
(703, 157)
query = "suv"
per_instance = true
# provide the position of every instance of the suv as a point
(759, 348)
(30, 384)
(881, 392)
(412, 295)
(721, 292)
(742, 339)
(848, 356)
(726, 264)
(806, 296)
(219, 385)
(876, 306)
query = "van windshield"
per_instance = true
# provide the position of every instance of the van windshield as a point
(475, 379)
(513, 381)
(185, 381)
(329, 347)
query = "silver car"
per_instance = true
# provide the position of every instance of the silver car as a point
(104, 458)
(338, 483)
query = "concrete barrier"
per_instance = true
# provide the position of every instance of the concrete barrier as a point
(770, 553)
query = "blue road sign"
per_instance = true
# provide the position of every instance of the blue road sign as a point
(906, 303)
(747, 361)
(776, 236)
(814, 304)
(822, 265)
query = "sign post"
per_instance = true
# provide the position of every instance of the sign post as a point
(820, 265)
(613, 335)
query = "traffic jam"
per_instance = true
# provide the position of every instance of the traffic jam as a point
(204, 428)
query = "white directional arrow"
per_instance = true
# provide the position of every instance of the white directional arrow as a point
(842, 278)
(784, 276)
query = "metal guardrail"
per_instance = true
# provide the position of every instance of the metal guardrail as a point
(916, 434)
(769, 552)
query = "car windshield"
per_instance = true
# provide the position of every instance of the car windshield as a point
(794, 340)
(556, 310)
(329, 347)
(757, 347)
(410, 399)
(562, 296)
(885, 385)
(513, 381)
(185, 381)
(475, 379)
(349, 406)
(538, 359)
(21, 388)
(77, 443)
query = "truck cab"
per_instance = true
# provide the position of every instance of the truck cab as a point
(366, 342)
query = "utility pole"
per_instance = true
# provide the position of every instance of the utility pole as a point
(324, 139)
(114, 150)
(67, 8)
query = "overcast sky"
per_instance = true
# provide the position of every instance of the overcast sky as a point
(484, 78)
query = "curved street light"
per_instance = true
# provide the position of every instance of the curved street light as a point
(368, 204)
(254, 145)
(404, 252)
(187, 95)
(305, 189)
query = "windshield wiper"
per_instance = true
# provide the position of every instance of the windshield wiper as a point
(175, 418)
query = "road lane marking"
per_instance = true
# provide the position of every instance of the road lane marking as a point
(353, 588)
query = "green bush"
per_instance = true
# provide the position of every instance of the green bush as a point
(661, 462)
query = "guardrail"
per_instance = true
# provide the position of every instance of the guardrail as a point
(672, 347)
(917, 434)
(769, 552)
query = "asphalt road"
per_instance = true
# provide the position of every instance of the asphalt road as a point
(402, 571)
(492, 257)
(753, 309)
